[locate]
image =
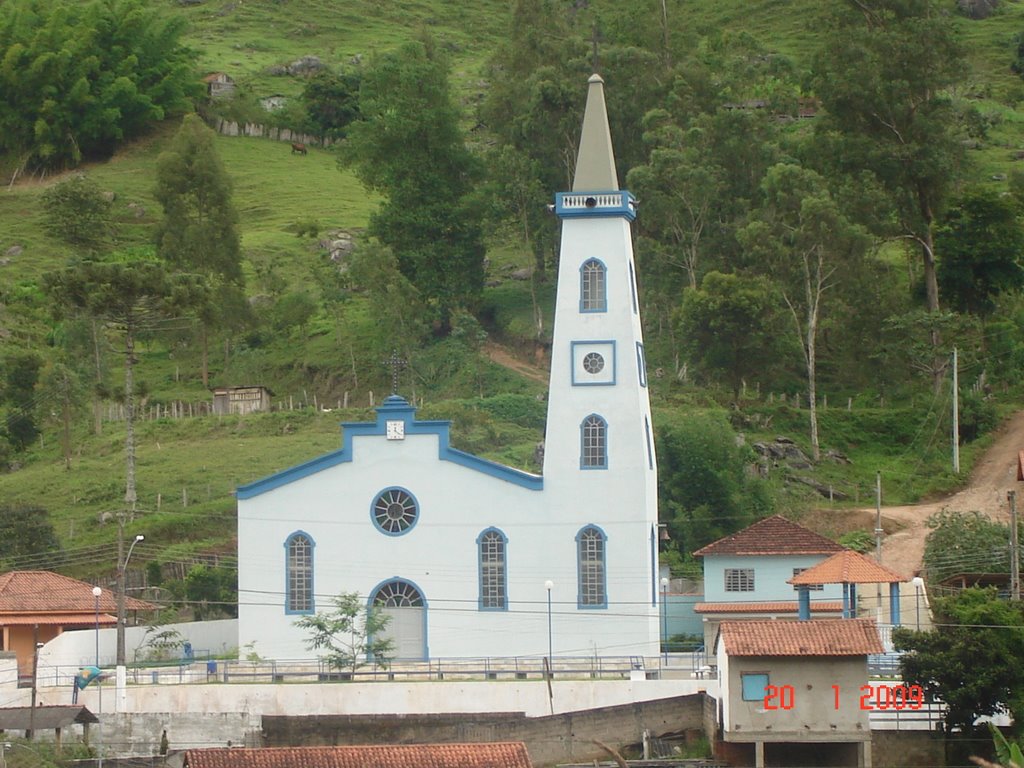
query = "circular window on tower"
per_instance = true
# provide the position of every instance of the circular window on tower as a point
(394, 511)
(593, 362)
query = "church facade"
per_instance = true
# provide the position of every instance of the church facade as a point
(467, 556)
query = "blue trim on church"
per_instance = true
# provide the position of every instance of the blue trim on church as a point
(604, 204)
(392, 409)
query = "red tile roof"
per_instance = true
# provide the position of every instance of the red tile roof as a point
(67, 620)
(496, 755)
(774, 535)
(818, 637)
(827, 606)
(847, 567)
(46, 592)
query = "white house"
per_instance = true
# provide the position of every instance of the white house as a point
(471, 557)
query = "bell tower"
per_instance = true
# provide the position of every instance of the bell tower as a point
(599, 459)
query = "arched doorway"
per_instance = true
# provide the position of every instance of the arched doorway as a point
(403, 602)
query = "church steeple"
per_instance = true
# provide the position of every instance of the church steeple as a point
(595, 163)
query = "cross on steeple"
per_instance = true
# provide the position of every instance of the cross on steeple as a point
(595, 38)
(396, 364)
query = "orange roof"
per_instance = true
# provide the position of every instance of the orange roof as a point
(827, 606)
(846, 567)
(774, 535)
(66, 620)
(496, 755)
(47, 592)
(819, 637)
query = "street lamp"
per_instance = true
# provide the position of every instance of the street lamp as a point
(664, 618)
(549, 585)
(918, 583)
(122, 566)
(96, 592)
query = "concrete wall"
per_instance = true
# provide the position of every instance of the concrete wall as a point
(813, 713)
(554, 739)
(911, 749)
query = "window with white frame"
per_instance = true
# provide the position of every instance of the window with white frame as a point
(299, 574)
(594, 443)
(739, 579)
(493, 573)
(593, 287)
(591, 557)
(811, 587)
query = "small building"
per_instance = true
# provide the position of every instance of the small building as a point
(219, 85)
(494, 755)
(791, 692)
(47, 717)
(36, 606)
(746, 574)
(241, 400)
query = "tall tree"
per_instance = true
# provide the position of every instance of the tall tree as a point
(409, 147)
(18, 391)
(199, 231)
(981, 251)
(883, 76)
(805, 241)
(78, 212)
(730, 328)
(78, 78)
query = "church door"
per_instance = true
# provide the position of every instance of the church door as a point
(404, 604)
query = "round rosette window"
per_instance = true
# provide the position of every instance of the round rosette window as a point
(395, 511)
(593, 362)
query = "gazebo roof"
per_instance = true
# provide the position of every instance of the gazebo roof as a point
(45, 718)
(846, 567)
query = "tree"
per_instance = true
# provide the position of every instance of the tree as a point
(332, 102)
(199, 231)
(350, 635)
(729, 327)
(962, 542)
(882, 76)
(78, 78)
(18, 391)
(78, 212)
(212, 591)
(409, 148)
(964, 660)
(980, 245)
(27, 538)
(805, 241)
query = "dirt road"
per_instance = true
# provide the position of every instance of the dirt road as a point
(994, 475)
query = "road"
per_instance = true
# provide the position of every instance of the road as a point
(993, 476)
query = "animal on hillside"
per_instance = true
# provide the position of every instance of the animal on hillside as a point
(300, 148)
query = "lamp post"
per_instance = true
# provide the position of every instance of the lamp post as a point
(918, 583)
(96, 592)
(664, 619)
(122, 566)
(549, 585)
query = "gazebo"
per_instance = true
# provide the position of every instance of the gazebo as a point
(848, 568)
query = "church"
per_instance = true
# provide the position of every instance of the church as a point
(469, 557)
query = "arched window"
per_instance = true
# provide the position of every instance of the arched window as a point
(590, 547)
(397, 594)
(593, 287)
(493, 570)
(299, 573)
(594, 443)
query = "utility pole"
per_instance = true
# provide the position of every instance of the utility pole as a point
(878, 535)
(956, 418)
(1014, 548)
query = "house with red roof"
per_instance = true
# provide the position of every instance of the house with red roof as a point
(36, 606)
(494, 755)
(747, 574)
(795, 692)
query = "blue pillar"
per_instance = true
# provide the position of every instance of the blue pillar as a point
(853, 601)
(846, 600)
(804, 599)
(894, 603)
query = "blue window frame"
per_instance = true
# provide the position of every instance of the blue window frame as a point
(591, 568)
(632, 286)
(641, 364)
(492, 546)
(650, 446)
(594, 443)
(754, 684)
(299, 573)
(394, 511)
(593, 286)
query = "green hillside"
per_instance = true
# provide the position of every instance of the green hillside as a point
(188, 467)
